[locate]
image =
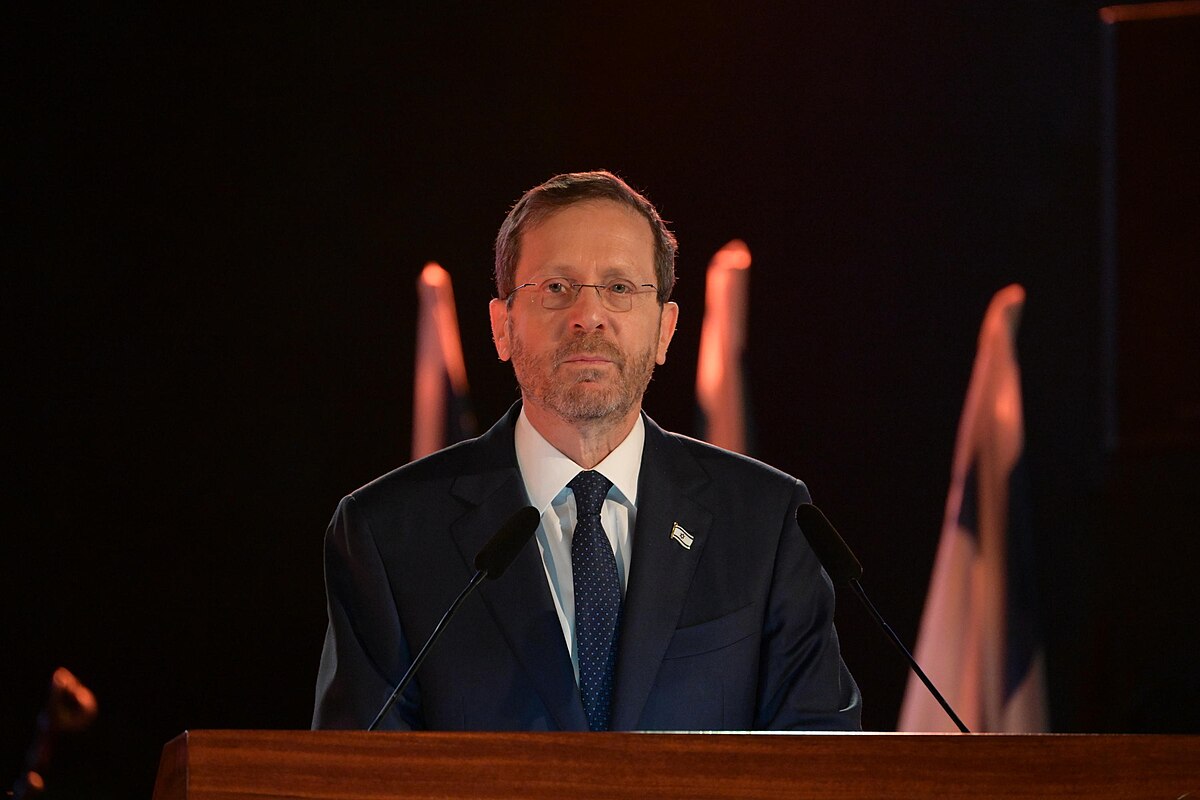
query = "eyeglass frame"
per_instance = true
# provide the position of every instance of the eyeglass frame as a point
(603, 291)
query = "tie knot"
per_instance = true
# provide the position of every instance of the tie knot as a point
(590, 488)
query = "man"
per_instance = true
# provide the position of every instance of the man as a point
(670, 588)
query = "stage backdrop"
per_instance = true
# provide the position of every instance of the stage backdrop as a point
(216, 219)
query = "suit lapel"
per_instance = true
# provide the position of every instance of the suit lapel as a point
(519, 601)
(661, 568)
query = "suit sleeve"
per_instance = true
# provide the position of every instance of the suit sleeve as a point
(803, 682)
(365, 650)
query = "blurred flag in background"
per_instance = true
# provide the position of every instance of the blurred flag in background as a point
(979, 639)
(720, 385)
(442, 411)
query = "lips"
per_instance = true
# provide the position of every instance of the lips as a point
(590, 351)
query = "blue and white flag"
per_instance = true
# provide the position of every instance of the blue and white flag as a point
(980, 640)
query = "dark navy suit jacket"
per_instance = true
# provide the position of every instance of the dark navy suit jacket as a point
(734, 633)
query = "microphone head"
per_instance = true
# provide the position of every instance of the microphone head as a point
(831, 550)
(502, 548)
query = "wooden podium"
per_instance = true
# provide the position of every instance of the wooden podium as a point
(355, 765)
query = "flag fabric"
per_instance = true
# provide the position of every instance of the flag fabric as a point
(720, 383)
(979, 639)
(441, 398)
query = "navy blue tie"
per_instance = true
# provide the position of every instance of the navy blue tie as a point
(597, 599)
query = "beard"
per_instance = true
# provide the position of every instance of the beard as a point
(583, 394)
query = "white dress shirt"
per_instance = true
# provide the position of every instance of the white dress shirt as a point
(546, 473)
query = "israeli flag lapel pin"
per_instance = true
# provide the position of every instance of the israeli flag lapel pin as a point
(681, 536)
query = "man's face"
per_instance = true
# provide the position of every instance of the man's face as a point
(585, 362)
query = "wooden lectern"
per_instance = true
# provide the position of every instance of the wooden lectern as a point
(355, 765)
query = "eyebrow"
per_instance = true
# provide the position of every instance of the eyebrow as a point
(607, 276)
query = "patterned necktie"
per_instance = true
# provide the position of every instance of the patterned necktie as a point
(597, 599)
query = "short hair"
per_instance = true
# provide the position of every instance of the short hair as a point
(561, 191)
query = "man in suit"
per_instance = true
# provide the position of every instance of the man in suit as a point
(670, 587)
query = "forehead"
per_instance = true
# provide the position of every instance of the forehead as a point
(592, 236)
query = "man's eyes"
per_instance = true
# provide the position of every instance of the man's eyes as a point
(556, 286)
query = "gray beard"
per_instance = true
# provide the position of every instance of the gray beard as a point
(583, 398)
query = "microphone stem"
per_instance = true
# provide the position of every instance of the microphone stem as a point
(856, 585)
(433, 637)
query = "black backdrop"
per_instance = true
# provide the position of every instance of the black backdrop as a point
(216, 219)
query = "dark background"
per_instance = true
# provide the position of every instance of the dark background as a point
(216, 218)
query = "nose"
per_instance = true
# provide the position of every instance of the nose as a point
(588, 311)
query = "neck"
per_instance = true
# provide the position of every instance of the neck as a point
(586, 442)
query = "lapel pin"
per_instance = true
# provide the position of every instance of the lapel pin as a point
(684, 538)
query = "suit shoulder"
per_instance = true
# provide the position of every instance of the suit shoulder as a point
(491, 451)
(725, 464)
(436, 469)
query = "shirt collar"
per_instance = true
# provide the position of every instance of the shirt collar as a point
(546, 471)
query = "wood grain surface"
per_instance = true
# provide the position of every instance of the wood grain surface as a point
(355, 765)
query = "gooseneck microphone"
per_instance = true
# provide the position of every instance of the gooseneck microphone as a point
(835, 555)
(491, 562)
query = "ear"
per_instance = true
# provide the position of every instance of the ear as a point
(666, 330)
(498, 310)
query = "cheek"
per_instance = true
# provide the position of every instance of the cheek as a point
(538, 334)
(526, 343)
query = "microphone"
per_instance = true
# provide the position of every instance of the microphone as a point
(501, 550)
(491, 562)
(835, 555)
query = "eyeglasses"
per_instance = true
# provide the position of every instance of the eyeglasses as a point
(558, 293)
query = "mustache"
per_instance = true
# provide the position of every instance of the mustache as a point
(592, 345)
